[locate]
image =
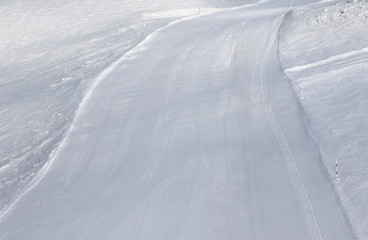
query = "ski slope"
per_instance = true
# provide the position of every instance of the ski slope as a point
(51, 52)
(196, 133)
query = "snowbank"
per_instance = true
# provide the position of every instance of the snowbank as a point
(324, 52)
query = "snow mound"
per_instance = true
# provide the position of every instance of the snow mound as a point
(351, 14)
(318, 33)
(324, 52)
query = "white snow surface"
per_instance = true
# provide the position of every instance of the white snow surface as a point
(324, 50)
(50, 53)
(189, 131)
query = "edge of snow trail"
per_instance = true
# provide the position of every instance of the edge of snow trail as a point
(89, 92)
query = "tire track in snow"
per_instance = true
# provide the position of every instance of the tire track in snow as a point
(310, 226)
(139, 214)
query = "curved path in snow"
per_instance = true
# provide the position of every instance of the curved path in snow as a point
(197, 134)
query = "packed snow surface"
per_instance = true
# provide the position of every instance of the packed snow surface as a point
(189, 130)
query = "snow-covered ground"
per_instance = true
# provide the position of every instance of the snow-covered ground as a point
(50, 53)
(194, 133)
(324, 51)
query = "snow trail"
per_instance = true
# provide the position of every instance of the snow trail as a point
(195, 135)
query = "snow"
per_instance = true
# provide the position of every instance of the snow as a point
(119, 121)
(50, 54)
(325, 50)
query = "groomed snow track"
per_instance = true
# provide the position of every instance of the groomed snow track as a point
(196, 134)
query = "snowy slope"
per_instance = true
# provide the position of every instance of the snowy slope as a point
(325, 51)
(50, 53)
(195, 133)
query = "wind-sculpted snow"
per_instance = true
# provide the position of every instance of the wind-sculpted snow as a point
(195, 133)
(50, 53)
(324, 51)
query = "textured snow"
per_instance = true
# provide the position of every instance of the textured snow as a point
(325, 50)
(50, 53)
(119, 121)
